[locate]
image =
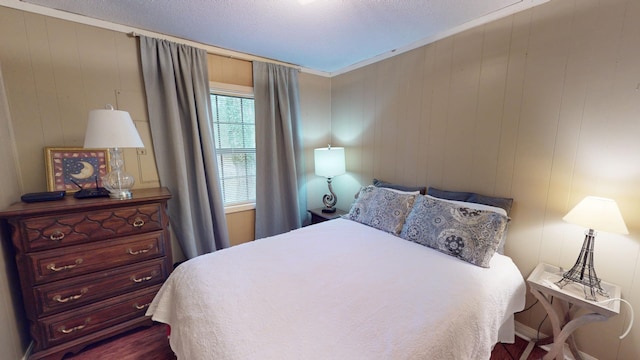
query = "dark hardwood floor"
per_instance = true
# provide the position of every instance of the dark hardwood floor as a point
(151, 344)
(515, 351)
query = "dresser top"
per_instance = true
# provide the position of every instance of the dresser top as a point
(20, 209)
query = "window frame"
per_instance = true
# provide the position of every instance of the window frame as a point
(218, 88)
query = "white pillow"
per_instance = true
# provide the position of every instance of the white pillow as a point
(474, 206)
(417, 192)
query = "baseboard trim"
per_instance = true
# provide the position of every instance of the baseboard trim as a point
(530, 334)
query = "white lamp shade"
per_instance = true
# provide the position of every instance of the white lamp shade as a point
(108, 128)
(597, 213)
(329, 162)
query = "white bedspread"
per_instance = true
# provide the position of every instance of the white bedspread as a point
(336, 290)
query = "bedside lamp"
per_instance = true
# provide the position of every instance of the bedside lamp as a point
(329, 163)
(593, 213)
(113, 129)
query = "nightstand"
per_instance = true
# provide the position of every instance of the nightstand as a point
(542, 285)
(318, 216)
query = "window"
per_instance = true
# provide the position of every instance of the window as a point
(235, 141)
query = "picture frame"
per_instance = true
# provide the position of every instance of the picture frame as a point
(84, 166)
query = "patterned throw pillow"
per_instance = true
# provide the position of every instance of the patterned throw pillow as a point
(468, 234)
(381, 208)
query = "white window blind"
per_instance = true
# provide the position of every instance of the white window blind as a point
(235, 140)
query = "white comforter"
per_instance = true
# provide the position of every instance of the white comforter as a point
(336, 290)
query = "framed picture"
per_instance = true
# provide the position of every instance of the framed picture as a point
(66, 165)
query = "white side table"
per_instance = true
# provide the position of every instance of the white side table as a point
(542, 285)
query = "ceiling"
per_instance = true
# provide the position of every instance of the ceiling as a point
(326, 36)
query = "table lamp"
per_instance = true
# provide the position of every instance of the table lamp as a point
(593, 213)
(113, 129)
(329, 163)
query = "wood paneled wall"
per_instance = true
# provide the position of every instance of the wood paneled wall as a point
(227, 70)
(542, 106)
(13, 332)
(56, 71)
(315, 112)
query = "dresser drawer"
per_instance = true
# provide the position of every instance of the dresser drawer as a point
(51, 232)
(86, 320)
(79, 260)
(70, 293)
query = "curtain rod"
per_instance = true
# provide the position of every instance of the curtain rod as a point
(137, 35)
(247, 58)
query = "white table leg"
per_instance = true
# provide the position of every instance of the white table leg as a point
(567, 330)
(563, 332)
(571, 340)
(555, 322)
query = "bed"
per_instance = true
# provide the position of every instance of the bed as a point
(341, 289)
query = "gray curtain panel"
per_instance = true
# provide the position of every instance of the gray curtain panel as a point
(281, 201)
(177, 87)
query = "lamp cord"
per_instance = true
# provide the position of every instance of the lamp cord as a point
(630, 312)
(528, 307)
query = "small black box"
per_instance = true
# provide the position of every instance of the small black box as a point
(91, 193)
(43, 196)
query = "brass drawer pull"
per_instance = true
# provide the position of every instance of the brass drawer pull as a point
(140, 307)
(139, 280)
(138, 252)
(138, 223)
(60, 299)
(56, 236)
(64, 330)
(53, 267)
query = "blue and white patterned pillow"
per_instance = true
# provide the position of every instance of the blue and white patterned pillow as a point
(381, 208)
(468, 234)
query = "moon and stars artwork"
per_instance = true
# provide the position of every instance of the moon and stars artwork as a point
(80, 166)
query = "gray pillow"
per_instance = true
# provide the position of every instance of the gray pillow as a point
(381, 208)
(500, 202)
(468, 234)
(384, 184)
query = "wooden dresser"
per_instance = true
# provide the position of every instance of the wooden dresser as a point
(89, 268)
